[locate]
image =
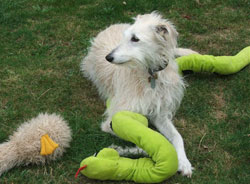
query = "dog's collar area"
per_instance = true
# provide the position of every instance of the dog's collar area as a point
(153, 75)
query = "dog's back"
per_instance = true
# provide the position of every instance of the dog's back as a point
(94, 65)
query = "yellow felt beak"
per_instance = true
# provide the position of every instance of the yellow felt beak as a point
(48, 146)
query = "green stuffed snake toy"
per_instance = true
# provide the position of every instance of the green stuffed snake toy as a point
(162, 162)
(133, 127)
(223, 65)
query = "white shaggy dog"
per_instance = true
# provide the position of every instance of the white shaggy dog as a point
(140, 74)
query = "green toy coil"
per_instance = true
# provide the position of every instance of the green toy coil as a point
(108, 165)
(223, 65)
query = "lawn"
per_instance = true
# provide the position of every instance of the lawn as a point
(42, 43)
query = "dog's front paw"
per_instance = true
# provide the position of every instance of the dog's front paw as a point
(185, 167)
(106, 127)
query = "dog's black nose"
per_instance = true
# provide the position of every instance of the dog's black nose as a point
(109, 58)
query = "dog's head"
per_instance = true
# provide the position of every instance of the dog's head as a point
(150, 42)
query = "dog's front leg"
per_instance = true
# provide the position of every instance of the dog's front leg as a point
(113, 108)
(105, 126)
(166, 127)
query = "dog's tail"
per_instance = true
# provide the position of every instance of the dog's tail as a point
(128, 151)
(184, 52)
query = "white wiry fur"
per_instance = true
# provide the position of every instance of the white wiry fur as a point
(128, 151)
(24, 145)
(125, 79)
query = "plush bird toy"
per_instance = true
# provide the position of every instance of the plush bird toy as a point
(37, 141)
(108, 165)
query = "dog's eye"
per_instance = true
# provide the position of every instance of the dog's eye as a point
(135, 39)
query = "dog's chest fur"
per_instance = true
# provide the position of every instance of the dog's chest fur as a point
(132, 91)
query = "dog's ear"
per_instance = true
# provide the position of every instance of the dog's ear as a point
(162, 30)
(167, 32)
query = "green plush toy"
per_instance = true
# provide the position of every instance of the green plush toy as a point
(223, 65)
(133, 127)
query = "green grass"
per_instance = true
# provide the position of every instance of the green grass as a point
(43, 41)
